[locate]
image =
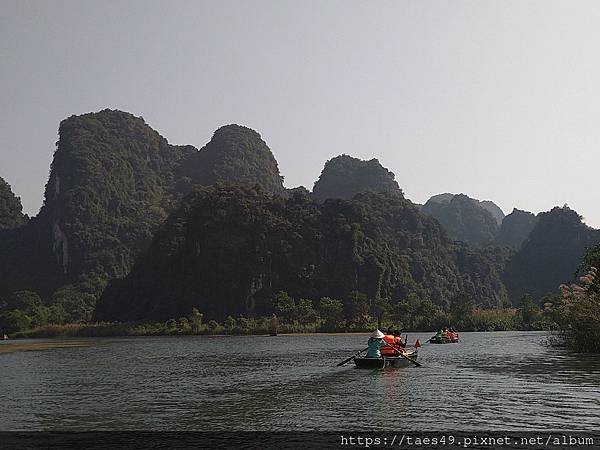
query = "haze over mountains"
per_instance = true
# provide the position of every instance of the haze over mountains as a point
(168, 228)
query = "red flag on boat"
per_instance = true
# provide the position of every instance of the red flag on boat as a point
(417, 344)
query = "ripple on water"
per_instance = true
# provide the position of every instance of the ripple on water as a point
(489, 381)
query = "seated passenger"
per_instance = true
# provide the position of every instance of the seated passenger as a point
(389, 339)
(398, 336)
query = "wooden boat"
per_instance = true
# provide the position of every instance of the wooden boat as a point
(385, 361)
(444, 340)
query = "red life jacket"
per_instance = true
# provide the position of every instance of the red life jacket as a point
(387, 350)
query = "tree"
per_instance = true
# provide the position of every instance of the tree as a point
(26, 301)
(403, 314)
(14, 320)
(196, 320)
(427, 313)
(332, 312)
(230, 323)
(461, 308)
(306, 312)
(284, 305)
(381, 308)
(357, 309)
(184, 325)
(528, 311)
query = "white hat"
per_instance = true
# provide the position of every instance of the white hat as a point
(377, 334)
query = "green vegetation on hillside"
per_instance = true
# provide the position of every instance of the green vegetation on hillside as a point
(113, 181)
(11, 211)
(464, 218)
(216, 230)
(515, 229)
(550, 255)
(344, 176)
(235, 155)
(227, 249)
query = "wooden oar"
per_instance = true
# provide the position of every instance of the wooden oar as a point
(357, 353)
(430, 339)
(401, 351)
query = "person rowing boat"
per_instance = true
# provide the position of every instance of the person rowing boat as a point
(375, 343)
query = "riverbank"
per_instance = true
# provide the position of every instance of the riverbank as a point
(176, 328)
(11, 347)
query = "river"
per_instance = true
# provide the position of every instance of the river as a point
(488, 381)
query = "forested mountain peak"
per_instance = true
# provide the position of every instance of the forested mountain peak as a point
(488, 205)
(550, 254)
(515, 228)
(345, 176)
(112, 182)
(11, 210)
(464, 218)
(238, 155)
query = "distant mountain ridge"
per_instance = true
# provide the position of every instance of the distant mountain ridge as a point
(113, 181)
(119, 193)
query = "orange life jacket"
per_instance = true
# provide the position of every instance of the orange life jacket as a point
(387, 350)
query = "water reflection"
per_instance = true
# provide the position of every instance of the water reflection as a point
(489, 381)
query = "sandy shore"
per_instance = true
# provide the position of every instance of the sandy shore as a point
(33, 346)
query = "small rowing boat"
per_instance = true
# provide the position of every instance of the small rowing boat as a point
(450, 339)
(386, 361)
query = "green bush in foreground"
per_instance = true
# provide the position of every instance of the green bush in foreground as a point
(578, 315)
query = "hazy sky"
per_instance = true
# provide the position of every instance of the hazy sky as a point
(496, 99)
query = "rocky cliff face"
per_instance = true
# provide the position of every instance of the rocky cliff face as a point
(465, 219)
(226, 250)
(11, 211)
(550, 254)
(113, 181)
(515, 228)
(344, 177)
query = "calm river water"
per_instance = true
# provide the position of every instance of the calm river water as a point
(488, 381)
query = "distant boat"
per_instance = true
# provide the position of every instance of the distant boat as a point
(450, 338)
(386, 361)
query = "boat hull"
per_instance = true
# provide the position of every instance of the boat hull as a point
(443, 341)
(385, 361)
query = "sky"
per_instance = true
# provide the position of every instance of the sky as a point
(499, 100)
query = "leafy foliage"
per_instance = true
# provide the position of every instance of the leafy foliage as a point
(112, 182)
(237, 155)
(515, 229)
(344, 177)
(464, 218)
(11, 211)
(229, 249)
(578, 312)
(550, 254)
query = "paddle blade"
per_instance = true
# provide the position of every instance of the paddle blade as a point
(417, 344)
